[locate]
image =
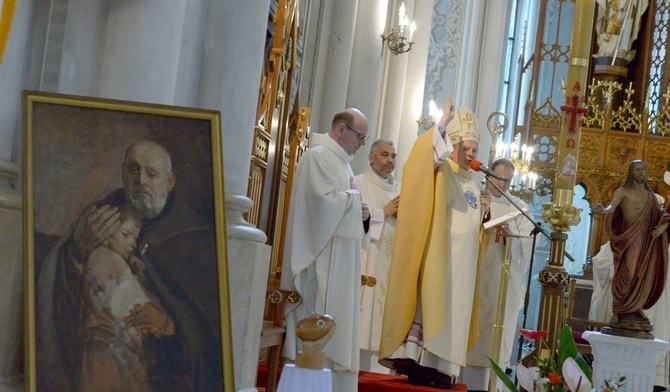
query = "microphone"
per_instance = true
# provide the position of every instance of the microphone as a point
(478, 166)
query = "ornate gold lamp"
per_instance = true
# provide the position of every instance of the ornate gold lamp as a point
(397, 39)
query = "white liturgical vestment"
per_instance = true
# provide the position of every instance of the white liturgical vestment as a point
(376, 254)
(436, 289)
(489, 285)
(322, 250)
(601, 298)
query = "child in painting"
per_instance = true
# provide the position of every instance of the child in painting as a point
(112, 359)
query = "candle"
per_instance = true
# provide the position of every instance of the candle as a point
(533, 179)
(412, 27)
(609, 93)
(402, 17)
(500, 149)
(434, 112)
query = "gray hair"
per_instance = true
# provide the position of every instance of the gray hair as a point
(378, 142)
(504, 162)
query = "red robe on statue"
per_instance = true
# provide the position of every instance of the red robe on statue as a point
(640, 262)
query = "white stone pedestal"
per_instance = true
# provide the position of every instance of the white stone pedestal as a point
(295, 379)
(616, 356)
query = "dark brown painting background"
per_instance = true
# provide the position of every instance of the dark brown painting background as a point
(78, 152)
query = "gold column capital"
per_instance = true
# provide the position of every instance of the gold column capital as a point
(561, 217)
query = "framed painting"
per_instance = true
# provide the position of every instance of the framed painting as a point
(125, 245)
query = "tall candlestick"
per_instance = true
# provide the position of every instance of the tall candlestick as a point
(574, 107)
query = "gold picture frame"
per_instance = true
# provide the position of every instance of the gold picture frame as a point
(157, 312)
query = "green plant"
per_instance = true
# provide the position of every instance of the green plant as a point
(565, 371)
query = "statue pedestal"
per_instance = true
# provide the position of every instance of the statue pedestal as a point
(609, 98)
(296, 379)
(616, 356)
(605, 70)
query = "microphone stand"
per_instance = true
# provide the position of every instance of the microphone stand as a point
(538, 227)
(536, 230)
(526, 298)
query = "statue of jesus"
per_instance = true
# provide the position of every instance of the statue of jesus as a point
(637, 226)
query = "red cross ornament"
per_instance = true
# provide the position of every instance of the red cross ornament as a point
(574, 110)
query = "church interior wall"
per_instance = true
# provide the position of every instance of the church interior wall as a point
(208, 54)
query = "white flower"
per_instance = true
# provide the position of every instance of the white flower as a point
(527, 376)
(574, 376)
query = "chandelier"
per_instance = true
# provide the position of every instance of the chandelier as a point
(523, 185)
(396, 39)
(524, 181)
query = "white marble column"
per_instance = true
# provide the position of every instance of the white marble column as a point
(316, 27)
(366, 59)
(365, 76)
(468, 62)
(13, 71)
(141, 50)
(230, 76)
(404, 80)
(11, 279)
(340, 42)
(491, 74)
(248, 266)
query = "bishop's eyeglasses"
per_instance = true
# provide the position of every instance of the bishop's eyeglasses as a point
(359, 135)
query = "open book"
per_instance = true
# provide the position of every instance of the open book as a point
(504, 218)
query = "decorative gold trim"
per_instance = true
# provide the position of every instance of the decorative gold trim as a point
(553, 278)
(581, 62)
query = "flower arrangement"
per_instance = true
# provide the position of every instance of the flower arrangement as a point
(611, 386)
(567, 372)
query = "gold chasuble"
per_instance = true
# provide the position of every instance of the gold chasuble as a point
(422, 263)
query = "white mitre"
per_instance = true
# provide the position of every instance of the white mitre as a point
(462, 127)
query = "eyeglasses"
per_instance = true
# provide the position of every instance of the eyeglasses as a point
(359, 135)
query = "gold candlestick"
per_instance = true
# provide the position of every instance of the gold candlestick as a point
(562, 214)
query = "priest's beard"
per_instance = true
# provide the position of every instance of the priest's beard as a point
(143, 201)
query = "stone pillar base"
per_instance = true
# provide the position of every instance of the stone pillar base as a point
(616, 356)
(248, 266)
